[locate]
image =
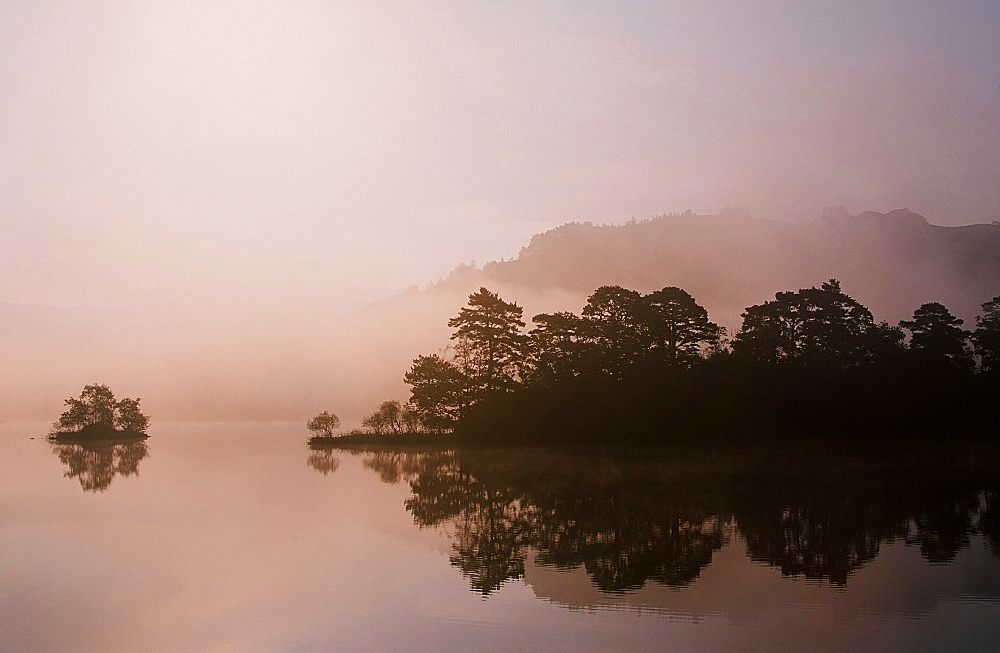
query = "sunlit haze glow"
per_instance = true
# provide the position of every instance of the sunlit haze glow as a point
(255, 168)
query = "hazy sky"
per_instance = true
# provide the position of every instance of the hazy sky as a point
(156, 151)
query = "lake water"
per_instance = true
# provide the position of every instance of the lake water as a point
(239, 537)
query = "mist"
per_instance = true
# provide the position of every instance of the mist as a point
(219, 207)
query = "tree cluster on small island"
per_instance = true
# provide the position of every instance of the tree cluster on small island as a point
(96, 414)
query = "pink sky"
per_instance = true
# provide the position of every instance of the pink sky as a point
(171, 149)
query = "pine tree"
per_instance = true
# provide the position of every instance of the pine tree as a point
(491, 347)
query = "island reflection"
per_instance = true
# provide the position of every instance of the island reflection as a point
(96, 463)
(629, 520)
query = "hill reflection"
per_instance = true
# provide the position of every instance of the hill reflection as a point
(630, 520)
(97, 463)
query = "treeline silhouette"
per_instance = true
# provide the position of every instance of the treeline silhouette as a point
(654, 368)
(629, 521)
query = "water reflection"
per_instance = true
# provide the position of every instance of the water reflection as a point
(632, 521)
(323, 461)
(97, 462)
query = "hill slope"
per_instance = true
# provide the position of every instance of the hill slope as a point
(890, 262)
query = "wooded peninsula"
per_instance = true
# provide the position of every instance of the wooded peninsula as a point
(654, 369)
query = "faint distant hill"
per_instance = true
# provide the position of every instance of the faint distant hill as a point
(891, 262)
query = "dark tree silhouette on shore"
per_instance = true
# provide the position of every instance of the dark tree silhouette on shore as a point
(654, 368)
(440, 391)
(937, 336)
(987, 335)
(675, 326)
(813, 327)
(613, 328)
(324, 424)
(560, 346)
(490, 345)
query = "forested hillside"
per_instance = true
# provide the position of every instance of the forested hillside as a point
(890, 262)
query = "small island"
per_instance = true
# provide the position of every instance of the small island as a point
(96, 415)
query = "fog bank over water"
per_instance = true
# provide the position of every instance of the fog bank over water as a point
(287, 357)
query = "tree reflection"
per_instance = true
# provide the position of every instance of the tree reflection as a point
(815, 531)
(497, 509)
(395, 466)
(826, 526)
(491, 523)
(944, 524)
(630, 521)
(97, 463)
(323, 461)
(624, 535)
(989, 519)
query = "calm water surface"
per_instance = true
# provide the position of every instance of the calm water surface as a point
(239, 537)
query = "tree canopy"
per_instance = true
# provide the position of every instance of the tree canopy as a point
(814, 327)
(938, 336)
(491, 347)
(559, 346)
(393, 417)
(987, 335)
(324, 424)
(97, 406)
(675, 326)
(612, 327)
(641, 365)
(440, 391)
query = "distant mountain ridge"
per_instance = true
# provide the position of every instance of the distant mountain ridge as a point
(891, 262)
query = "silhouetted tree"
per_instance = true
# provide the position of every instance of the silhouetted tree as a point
(613, 327)
(410, 418)
(97, 406)
(387, 419)
(675, 326)
(491, 347)
(559, 346)
(323, 425)
(439, 391)
(810, 359)
(814, 326)
(612, 305)
(987, 335)
(938, 337)
(129, 417)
